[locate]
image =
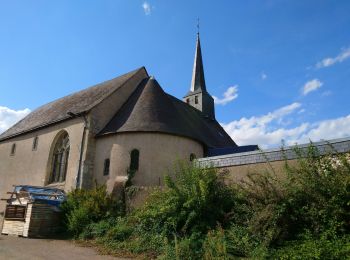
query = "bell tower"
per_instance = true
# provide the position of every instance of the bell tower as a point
(198, 95)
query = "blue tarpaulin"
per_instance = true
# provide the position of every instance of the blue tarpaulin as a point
(52, 196)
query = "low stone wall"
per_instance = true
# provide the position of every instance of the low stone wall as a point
(338, 145)
(240, 164)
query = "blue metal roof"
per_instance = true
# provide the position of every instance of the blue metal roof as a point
(231, 150)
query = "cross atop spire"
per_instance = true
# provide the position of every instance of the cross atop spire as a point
(198, 81)
(198, 26)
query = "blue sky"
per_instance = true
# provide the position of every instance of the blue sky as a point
(284, 65)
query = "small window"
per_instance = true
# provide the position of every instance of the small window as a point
(15, 212)
(134, 160)
(35, 143)
(13, 149)
(196, 99)
(187, 100)
(106, 167)
(192, 157)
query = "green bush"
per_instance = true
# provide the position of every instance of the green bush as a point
(195, 201)
(215, 245)
(84, 207)
(309, 247)
(121, 231)
(99, 229)
(302, 213)
(312, 197)
(190, 247)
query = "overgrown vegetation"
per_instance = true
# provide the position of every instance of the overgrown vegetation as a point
(302, 213)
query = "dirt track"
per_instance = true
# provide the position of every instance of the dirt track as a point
(37, 249)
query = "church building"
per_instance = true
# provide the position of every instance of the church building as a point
(102, 133)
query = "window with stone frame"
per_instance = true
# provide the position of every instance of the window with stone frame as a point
(106, 167)
(60, 159)
(196, 99)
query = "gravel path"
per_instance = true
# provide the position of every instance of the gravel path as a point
(19, 248)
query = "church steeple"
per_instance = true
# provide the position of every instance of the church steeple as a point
(198, 95)
(198, 80)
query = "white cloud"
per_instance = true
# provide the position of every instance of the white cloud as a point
(147, 8)
(326, 129)
(257, 130)
(8, 117)
(343, 55)
(229, 95)
(269, 130)
(263, 76)
(311, 85)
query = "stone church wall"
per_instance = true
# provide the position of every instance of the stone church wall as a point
(241, 164)
(158, 154)
(28, 167)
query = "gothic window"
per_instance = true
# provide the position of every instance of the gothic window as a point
(134, 160)
(106, 167)
(187, 100)
(192, 157)
(35, 143)
(13, 149)
(60, 159)
(196, 99)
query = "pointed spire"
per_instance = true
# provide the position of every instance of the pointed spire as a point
(198, 81)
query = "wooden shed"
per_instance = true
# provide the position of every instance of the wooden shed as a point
(32, 211)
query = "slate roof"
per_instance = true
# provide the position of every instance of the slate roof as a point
(150, 109)
(76, 103)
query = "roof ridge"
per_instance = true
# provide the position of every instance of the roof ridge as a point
(8, 134)
(109, 94)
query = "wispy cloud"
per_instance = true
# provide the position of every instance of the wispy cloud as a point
(342, 56)
(263, 76)
(311, 85)
(230, 94)
(269, 130)
(8, 117)
(147, 8)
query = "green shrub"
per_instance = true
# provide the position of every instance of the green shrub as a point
(190, 247)
(84, 207)
(120, 231)
(313, 195)
(215, 245)
(309, 247)
(302, 214)
(99, 229)
(195, 201)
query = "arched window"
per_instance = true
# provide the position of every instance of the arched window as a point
(134, 160)
(106, 167)
(192, 157)
(13, 149)
(35, 143)
(60, 159)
